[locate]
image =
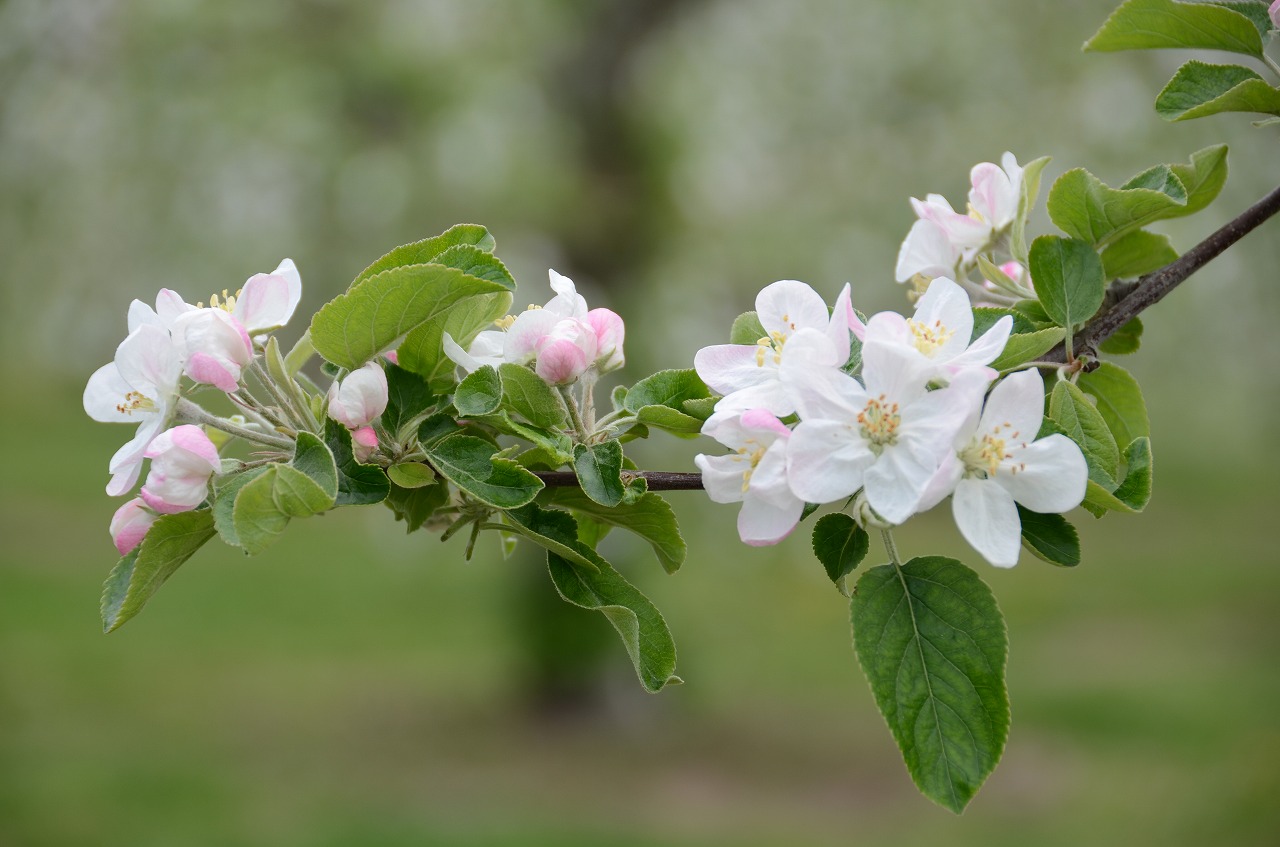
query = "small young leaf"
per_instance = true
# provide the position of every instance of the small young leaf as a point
(1027, 347)
(1050, 537)
(358, 484)
(700, 408)
(1198, 90)
(415, 506)
(1140, 252)
(1119, 401)
(169, 542)
(411, 475)
(468, 462)
(649, 516)
(1126, 340)
(224, 500)
(1084, 424)
(529, 396)
(1031, 173)
(666, 388)
(1035, 313)
(408, 398)
(480, 393)
(746, 329)
(1158, 24)
(985, 317)
(599, 469)
(840, 545)
(1134, 492)
(933, 645)
(265, 505)
(671, 420)
(422, 252)
(422, 351)
(313, 458)
(1069, 279)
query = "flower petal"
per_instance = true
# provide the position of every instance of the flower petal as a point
(788, 305)
(927, 251)
(1047, 476)
(722, 476)
(1015, 408)
(826, 461)
(761, 523)
(727, 368)
(988, 520)
(104, 396)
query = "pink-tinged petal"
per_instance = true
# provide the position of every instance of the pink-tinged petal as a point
(764, 423)
(1049, 475)
(994, 196)
(926, 251)
(393, 356)
(129, 525)
(722, 476)
(1015, 409)
(727, 368)
(169, 306)
(944, 482)
(263, 304)
(788, 305)
(126, 464)
(610, 332)
(988, 520)
(961, 230)
(761, 523)
(149, 361)
(216, 346)
(289, 271)
(567, 303)
(364, 440)
(360, 397)
(520, 341)
(843, 321)
(188, 447)
(210, 370)
(826, 461)
(1274, 11)
(104, 396)
(561, 362)
(824, 393)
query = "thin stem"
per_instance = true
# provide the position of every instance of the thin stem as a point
(890, 547)
(192, 413)
(287, 406)
(1271, 63)
(658, 480)
(1153, 287)
(567, 395)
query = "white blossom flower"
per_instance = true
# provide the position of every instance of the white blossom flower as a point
(754, 475)
(996, 193)
(182, 460)
(997, 462)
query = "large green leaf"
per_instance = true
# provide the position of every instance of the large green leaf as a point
(408, 399)
(1119, 401)
(265, 505)
(1068, 278)
(1127, 339)
(529, 396)
(1085, 208)
(422, 252)
(422, 350)
(468, 462)
(1198, 90)
(540, 526)
(840, 545)
(599, 470)
(649, 517)
(658, 400)
(1140, 252)
(1158, 24)
(377, 312)
(477, 262)
(169, 542)
(933, 645)
(1084, 424)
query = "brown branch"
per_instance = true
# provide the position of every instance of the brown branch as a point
(1153, 287)
(658, 480)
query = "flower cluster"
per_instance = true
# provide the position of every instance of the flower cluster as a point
(561, 339)
(889, 413)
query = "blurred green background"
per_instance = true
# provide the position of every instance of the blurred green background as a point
(355, 685)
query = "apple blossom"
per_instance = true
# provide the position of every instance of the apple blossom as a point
(364, 440)
(182, 460)
(129, 525)
(215, 347)
(937, 336)
(996, 193)
(1274, 11)
(754, 475)
(360, 397)
(998, 461)
(610, 331)
(139, 386)
(888, 437)
(926, 251)
(565, 353)
(800, 335)
(267, 301)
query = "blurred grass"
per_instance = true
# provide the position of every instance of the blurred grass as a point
(357, 686)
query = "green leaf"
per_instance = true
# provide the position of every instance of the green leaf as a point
(985, 317)
(169, 542)
(700, 408)
(1034, 312)
(1126, 340)
(1119, 400)
(1031, 173)
(1068, 278)
(1134, 492)
(415, 506)
(1254, 10)
(933, 645)
(1198, 90)
(675, 422)
(422, 252)
(1084, 207)
(529, 396)
(408, 398)
(1084, 424)
(666, 388)
(840, 545)
(747, 329)
(422, 350)
(358, 484)
(599, 470)
(411, 475)
(546, 528)
(1140, 252)
(377, 312)
(265, 505)
(649, 517)
(468, 462)
(477, 262)
(1050, 537)
(1159, 24)
(224, 500)
(1027, 347)
(313, 458)
(480, 393)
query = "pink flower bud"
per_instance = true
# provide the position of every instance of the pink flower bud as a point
(566, 352)
(1016, 272)
(1275, 14)
(182, 460)
(215, 345)
(363, 442)
(130, 524)
(609, 331)
(359, 398)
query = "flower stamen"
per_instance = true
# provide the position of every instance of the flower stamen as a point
(879, 423)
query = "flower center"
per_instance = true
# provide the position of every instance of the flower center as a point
(226, 303)
(505, 323)
(928, 338)
(770, 346)
(136, 401)
(753, 453)
(879, 423)
(983, 457)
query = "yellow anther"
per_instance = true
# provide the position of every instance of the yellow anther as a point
(135, 401)
(771, 343)
(505, 323)
(928, 339)
(879, 422)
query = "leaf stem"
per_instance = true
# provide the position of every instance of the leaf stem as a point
(892, 549)
(1271, 63)
(192, 413)
(574, 415)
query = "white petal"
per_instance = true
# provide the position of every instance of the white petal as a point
(824, 393)
(141, 314)
(521, 342)
(770, 395)
(126, 464)
(826, 461)
(105, 393)
(898, 479)
(895, 370)
(727, 368)
(460, 357)
(844, 320)
(788, 305)
(769, 479)
(761, 523)
(945, 306)
(1050, 475)
(987, 347)
(567, 303)
(149, 361)
(722, 476)
(487, 347)
(1015, 408)
(943, 483)
(264, 303)
(926, 250)
(810, 348)
(988, 520)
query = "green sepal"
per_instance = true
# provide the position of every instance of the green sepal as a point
(840, 545)
(933, 644)
(1050, 538)
(169, 542)
(599, 470)
(470, 464)
(650, 517)
(1161, 24)
(747, 329)
(358, 484)
(479, 393)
